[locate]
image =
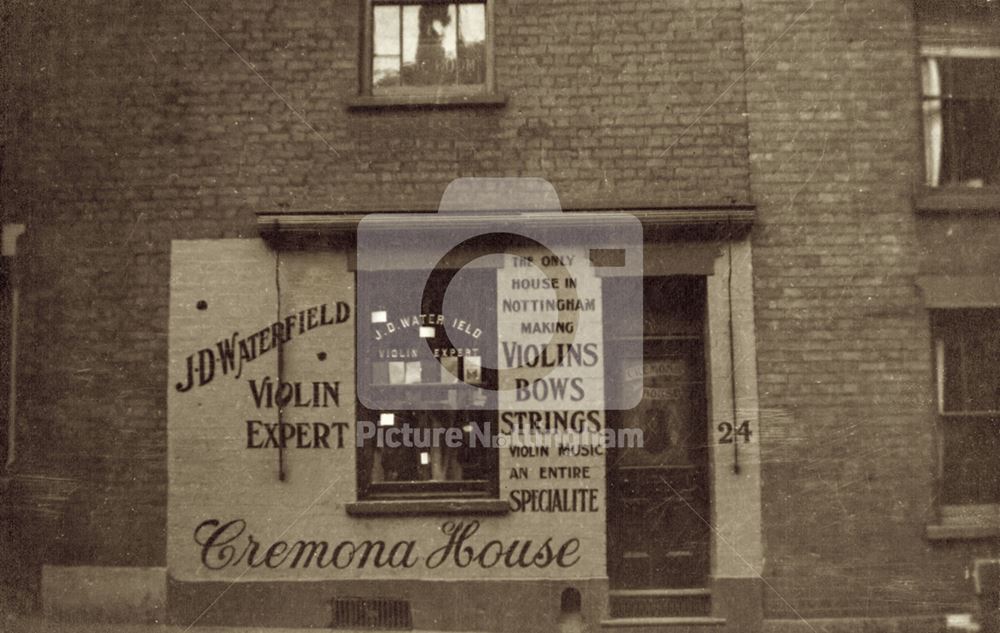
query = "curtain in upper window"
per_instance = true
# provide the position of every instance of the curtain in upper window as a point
(932, 120)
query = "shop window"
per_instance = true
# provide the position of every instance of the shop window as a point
(961, 113)
(444, 457)
(967, 356)
(432, 47)
(440, 441)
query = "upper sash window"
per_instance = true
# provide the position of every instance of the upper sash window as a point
(961, 112)
(428, 47)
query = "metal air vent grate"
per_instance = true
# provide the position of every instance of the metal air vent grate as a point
(371, 613)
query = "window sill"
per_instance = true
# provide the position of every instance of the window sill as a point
(967, 532)
(379, 102)
(953, 199)
(966, 522)
(399, 507)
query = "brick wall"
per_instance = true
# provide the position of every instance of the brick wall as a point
(843, 344)
(127, 125)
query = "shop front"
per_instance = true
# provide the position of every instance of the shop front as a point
(494, 436)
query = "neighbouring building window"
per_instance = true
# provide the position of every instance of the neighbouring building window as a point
(434, 46)
(967, 356)
(441, 443)
(961, 110)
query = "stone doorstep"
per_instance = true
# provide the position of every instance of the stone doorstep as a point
(900, 624)
(961, 622)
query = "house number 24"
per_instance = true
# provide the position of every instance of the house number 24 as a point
(731, 432)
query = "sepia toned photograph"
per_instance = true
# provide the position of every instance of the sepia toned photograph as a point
(500, 316)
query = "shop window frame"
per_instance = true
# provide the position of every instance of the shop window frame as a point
(422, 497)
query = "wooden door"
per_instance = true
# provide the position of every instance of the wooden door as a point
(658, 498)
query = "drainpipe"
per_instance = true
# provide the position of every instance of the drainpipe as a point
(8, 248)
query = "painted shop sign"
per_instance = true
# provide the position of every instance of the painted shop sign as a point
(549, 321)
(262, 466)
(229, 544)
(230, 354)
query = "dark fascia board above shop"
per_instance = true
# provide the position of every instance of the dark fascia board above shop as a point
(304, 228)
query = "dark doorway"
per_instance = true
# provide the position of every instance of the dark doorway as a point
(658, 495)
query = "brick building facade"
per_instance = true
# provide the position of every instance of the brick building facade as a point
(783, 161)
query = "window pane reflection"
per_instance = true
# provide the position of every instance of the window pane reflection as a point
(430, 458)
(386, 30)
(385, 64)
(434, 44)
(430, 32)
(385, 71)
(472, 44)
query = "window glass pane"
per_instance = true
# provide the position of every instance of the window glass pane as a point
(668, 415)
(954, 376)
(430, 35)
(449, 41)
(970, 114)
(971, 340)
(386, 30)
(972, 78)
(385, 71)
(971, 154)
(420, 357)
(982, 360)
(472, 18)
(434, 453)
(433, 44)
(971, 450)
(411, 32)
(472, 43)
